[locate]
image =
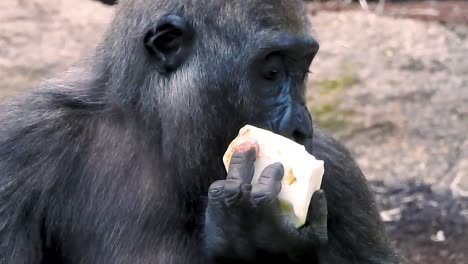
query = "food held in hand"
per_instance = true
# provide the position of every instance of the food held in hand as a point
(302, 171)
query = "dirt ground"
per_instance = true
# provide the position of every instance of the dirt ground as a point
(392, 87)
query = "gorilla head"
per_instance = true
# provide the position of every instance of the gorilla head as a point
(191, 62)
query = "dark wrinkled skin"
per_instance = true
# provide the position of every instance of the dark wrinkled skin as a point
(120, 159)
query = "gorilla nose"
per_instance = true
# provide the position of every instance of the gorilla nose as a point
(303, 125)
(295, 124)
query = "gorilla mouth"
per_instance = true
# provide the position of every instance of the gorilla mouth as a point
(299, 137)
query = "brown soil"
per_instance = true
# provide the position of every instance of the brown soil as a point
(394, 89)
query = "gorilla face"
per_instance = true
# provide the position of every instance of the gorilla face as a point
(277, 82)
(265, 70)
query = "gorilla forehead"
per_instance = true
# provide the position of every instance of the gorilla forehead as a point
(274, 14)
(251, 15)
(289, 15)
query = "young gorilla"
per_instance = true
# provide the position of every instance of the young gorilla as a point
(120, 160)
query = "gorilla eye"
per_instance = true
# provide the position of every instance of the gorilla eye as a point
(271, 75)
(273, 68)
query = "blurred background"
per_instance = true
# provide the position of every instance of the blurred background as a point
(390, 81)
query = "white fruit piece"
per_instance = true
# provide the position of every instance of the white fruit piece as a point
(302, 172)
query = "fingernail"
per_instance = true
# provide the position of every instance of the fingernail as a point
(245, 144)
(243, 147)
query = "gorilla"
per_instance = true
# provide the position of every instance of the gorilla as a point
(119, 159)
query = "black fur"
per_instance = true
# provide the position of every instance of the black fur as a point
(112, 162)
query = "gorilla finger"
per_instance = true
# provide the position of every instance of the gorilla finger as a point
(319, 209)
(234, 191)
(265, 194)
(241, 167)
(319, 234)
(216, 191)
(272, 174)
(268, 185)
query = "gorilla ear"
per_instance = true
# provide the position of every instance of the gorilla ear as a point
(169, 42)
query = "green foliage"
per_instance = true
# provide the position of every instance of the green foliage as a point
(325, 105)
(340, 84)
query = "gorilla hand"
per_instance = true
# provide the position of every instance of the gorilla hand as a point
(242, 220)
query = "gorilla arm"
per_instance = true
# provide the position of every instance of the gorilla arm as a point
(26, 148)
(38, 149)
